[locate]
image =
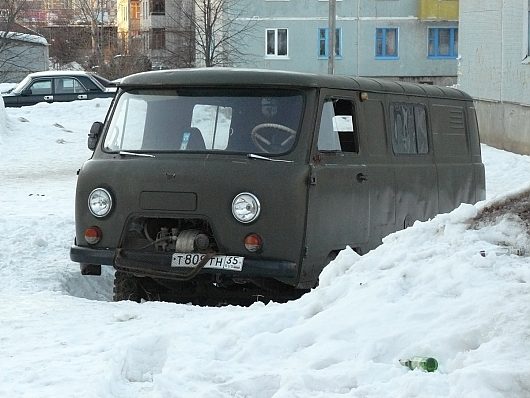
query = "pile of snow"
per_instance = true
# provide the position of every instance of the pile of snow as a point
(447, 288)
(37, 39)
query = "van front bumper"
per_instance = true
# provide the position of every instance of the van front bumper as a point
(88, 255)
(158, 265)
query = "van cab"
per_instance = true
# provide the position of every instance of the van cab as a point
(227, 185)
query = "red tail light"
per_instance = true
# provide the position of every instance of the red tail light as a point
(253, 242)
(93, 235)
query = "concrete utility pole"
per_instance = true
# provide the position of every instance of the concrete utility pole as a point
(331, 36)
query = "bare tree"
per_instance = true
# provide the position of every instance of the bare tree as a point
(95, 12)
(68, 43)
(212, 29)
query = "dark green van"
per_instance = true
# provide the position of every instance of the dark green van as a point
(231, 185)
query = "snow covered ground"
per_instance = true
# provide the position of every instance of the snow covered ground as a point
(426, 291)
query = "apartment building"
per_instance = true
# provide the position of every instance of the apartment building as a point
(495, 69)
(411, 40)
(158, 29)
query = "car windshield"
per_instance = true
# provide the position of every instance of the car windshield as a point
(262, 121)
(20, 86)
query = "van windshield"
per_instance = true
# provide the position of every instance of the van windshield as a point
(205, 120)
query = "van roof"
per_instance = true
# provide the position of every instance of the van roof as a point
(216, 77)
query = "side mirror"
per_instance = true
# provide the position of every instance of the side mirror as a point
(93, 136)
(26, 91)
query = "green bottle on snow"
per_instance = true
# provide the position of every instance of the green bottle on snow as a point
(427, 364)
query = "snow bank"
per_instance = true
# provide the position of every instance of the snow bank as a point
(444, 288)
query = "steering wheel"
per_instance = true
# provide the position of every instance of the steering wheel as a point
(270, 143)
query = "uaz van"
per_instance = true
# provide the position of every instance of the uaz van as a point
(230, 185)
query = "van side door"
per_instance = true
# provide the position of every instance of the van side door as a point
(375, 141)
(413, 159)
(339, 191)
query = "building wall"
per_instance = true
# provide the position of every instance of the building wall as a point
(504, 125)
(123, 17)
(495, 69)
(358, 20)
(23, 58)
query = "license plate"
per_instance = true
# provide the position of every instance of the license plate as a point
(190, 260)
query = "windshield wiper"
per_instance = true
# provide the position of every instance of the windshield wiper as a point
(143, 155)
(254, 156)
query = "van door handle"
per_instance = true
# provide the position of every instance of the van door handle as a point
(361, 178)
(48, 98)
(82, 96)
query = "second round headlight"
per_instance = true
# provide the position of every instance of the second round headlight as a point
(246, 207)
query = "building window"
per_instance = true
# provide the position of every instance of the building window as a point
(135, 10)
(386, 43)
(409, 129)
(276, 42)
(158, 39)
(158, 7)
(443, 42)
(323, 42)
(123, 12)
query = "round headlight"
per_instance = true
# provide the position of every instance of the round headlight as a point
(99, 202)
(245, 207)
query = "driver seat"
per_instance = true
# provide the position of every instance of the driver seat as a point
(191, 140)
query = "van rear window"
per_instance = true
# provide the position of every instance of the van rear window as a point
(199, 120)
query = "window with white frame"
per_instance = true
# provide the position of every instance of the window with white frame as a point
(443, 43)
(386, 43)
(276, 42)
(323, 42)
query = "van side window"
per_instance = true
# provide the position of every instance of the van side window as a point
(409, 128)
(337, 132)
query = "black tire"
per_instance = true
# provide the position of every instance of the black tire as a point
(127, 287)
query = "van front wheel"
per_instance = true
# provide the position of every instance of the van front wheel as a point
(126, 287)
